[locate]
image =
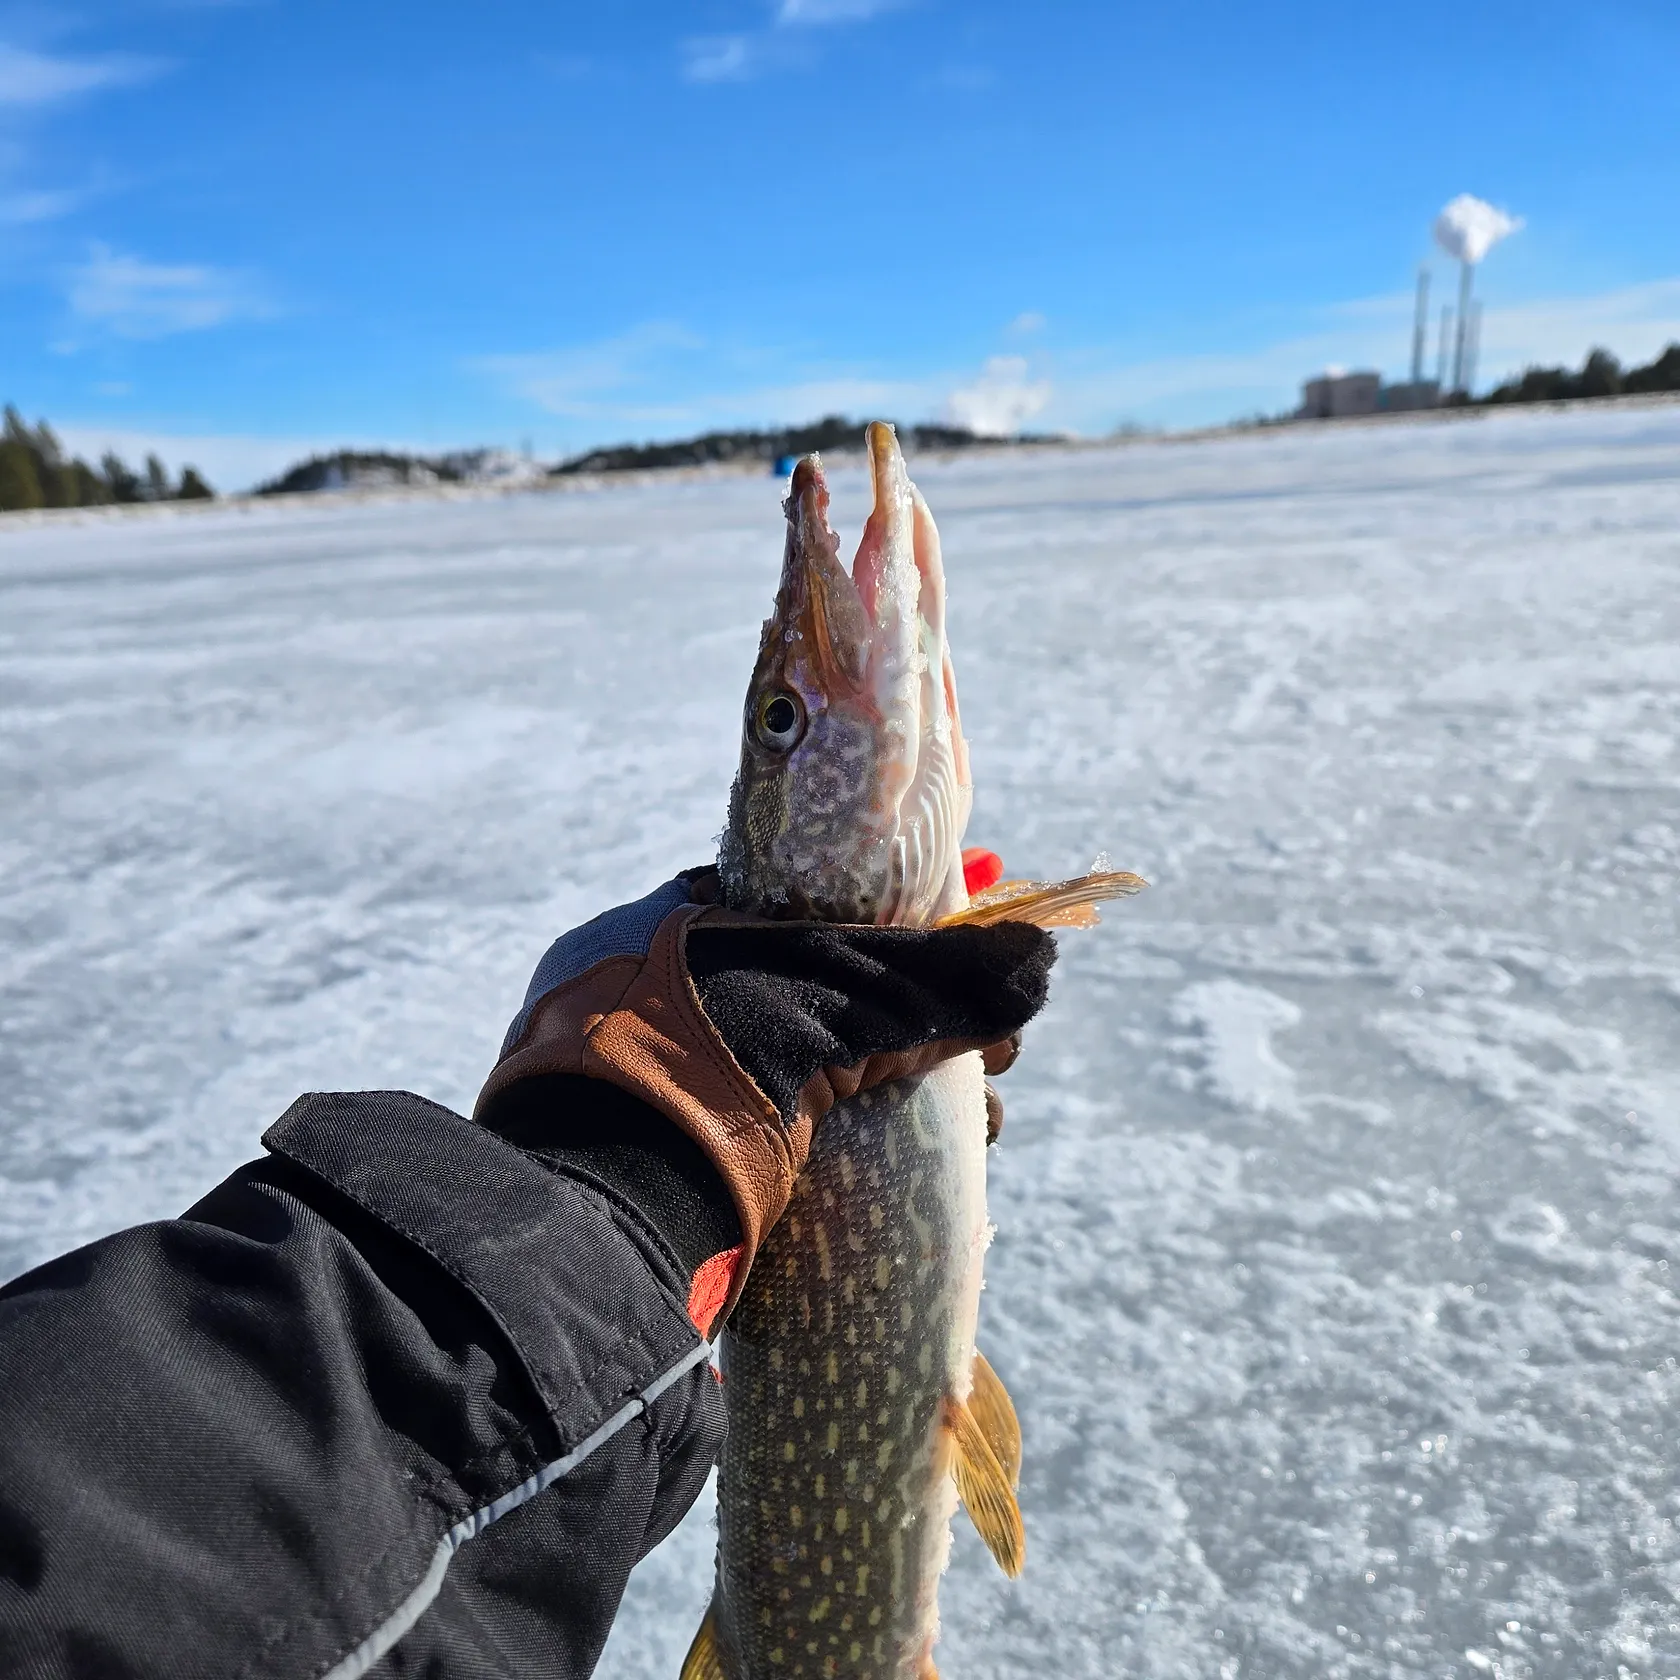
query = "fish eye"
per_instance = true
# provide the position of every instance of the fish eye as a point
(779, 721)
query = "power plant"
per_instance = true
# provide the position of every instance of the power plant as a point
(1466, 230)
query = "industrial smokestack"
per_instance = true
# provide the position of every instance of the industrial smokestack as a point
(1473, 346)
(1441, 348)
(1468, 229)
(1466, 273)
(1420, 324)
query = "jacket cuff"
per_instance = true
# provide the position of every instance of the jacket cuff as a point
(614, 1142)
(589, 1299)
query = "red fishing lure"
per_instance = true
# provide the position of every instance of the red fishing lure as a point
(981, 869)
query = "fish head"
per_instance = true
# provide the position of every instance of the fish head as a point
(854, 788)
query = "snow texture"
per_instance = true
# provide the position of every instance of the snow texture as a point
(1337, 1217)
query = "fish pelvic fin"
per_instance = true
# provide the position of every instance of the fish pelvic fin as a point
(984, 1485)
(704, 1660)
(994, 1411)
(1046, 904)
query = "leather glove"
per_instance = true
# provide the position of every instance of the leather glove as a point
(744, 1032)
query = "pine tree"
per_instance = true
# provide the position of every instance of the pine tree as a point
(123, 484)
(1601, 375)
(35, 472)
(20, 471)
(20, 480)
(1661, 375)
(83, 486)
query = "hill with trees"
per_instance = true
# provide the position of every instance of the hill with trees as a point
(372, 469)
(834, 433)
(355, 469)
(378, 469)
(1601, 375)
(36, 473)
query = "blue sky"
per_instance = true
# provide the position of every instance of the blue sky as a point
(235, 231)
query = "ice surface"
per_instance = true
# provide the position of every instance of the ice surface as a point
(1335, 1275)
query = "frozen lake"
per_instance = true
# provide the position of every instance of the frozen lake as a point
(1338, 1219)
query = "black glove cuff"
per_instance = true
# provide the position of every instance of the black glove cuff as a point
(601, 1134)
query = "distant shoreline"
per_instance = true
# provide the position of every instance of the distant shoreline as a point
(250, 502)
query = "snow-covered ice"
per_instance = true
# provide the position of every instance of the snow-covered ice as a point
(1337, 1205)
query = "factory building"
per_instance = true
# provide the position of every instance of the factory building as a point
(1342, 396)
(1408, 398)
(1466, 230)
(1336, 395)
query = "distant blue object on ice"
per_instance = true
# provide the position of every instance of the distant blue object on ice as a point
(782, 466)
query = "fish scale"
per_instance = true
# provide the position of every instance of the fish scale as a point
(856, 1327)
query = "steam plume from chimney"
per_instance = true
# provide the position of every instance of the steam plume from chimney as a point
(1470, 227)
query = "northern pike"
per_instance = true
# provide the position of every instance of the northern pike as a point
(858, 1405)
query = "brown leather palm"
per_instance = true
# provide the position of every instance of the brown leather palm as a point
(636, 1022)
(817, 1012)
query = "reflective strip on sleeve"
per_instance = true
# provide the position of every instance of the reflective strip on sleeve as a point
(359, 1661)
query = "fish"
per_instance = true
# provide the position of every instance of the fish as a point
(859, 1408)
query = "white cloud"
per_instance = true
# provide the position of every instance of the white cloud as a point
(833, 11)
(854, 395)
(1028, 322)
(32, 78)
(660, 380)
(1222, 384)
(1636, 322)
(626, 377)
(719, 58)
(20, 209)
(137, 299)
(1001, 400)
(740, 57)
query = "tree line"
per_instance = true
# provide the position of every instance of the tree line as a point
(1601, 375)
(348, 469)
(834, 432)
(36, 473)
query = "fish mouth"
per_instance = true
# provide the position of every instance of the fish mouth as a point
(876, 635)
(896, 586)
(818, 603)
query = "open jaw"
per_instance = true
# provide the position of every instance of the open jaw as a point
(867, 619)
(876, 638)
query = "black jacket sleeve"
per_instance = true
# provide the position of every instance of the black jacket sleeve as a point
(402, 1398)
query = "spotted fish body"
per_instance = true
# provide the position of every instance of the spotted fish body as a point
(835, 1493)
(858, 1409)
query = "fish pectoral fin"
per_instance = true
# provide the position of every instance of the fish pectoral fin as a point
(704, 1660)
(1053, 904)
(984, 1486)
(994, 1411)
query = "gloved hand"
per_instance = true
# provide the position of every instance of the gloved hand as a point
(744, 1032)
